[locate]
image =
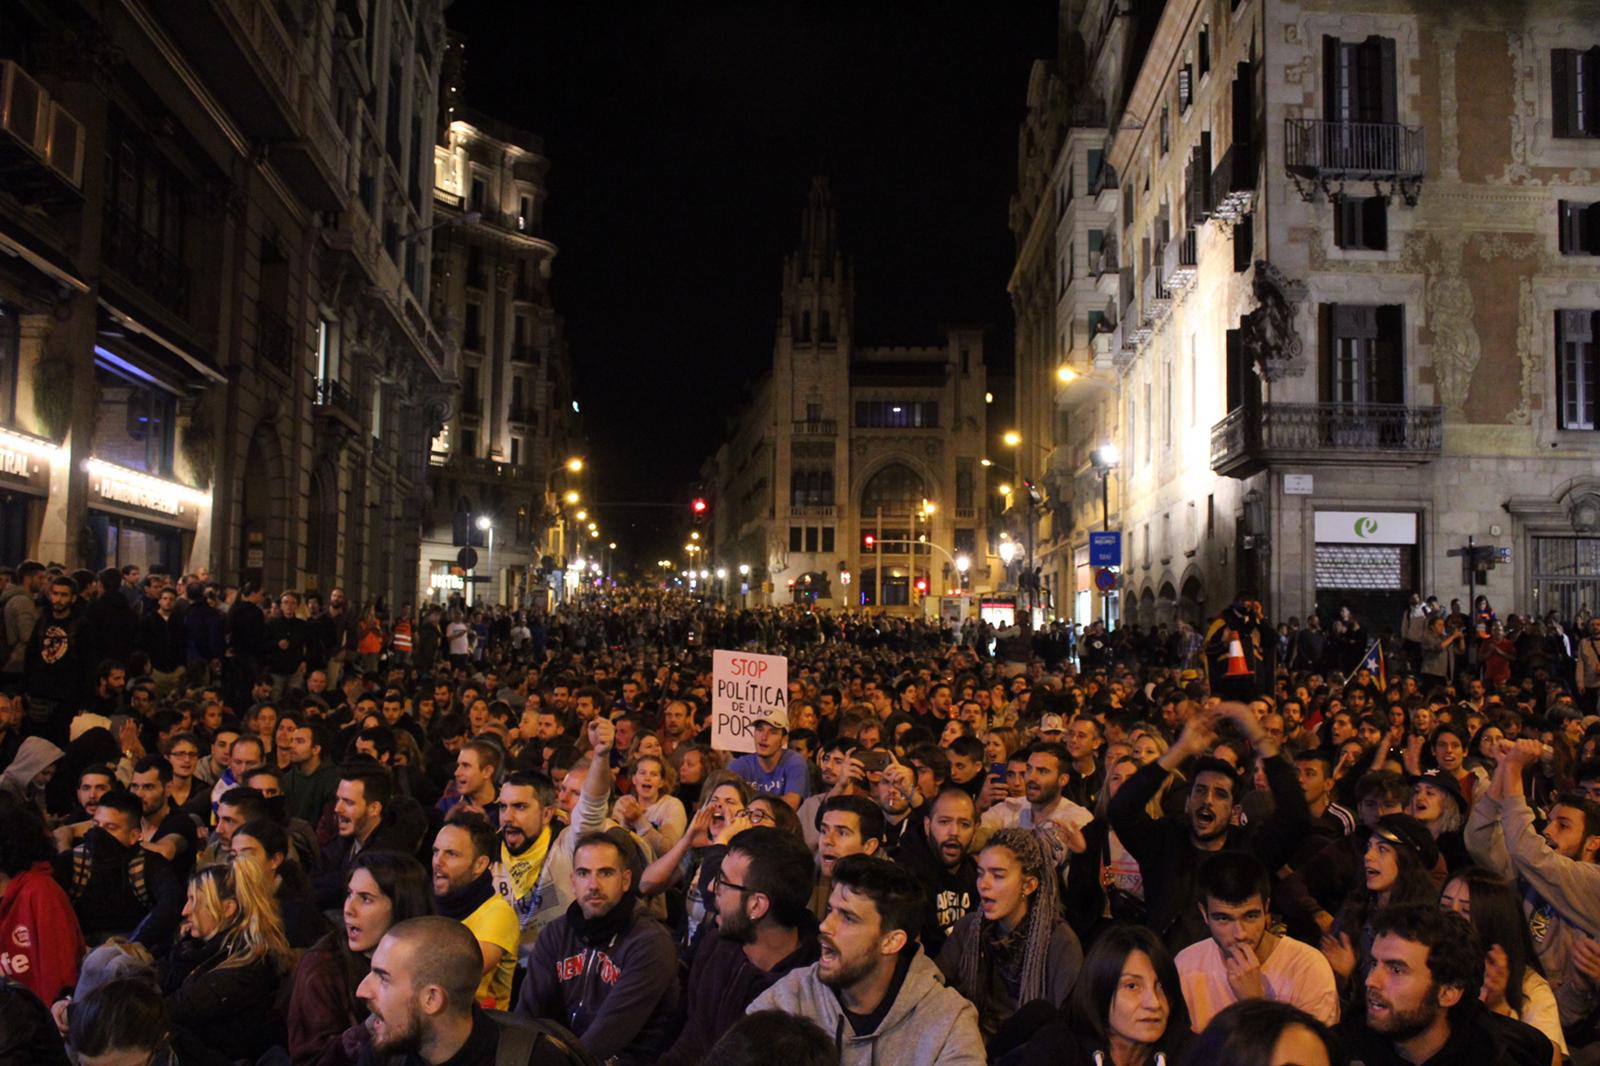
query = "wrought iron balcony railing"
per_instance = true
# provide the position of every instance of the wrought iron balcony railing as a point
(1390, 434)
(1325, 152)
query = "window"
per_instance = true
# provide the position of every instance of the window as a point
(805, 327)
(1363, 353)
(516, 451)
(1358, 80)
(477, 277)
(1097, 162)
(1149, 408)
(471, 401)
(1127, 205)
(1244, 243)
(146, 205)
(811, 538)
(813, 412)
(377, 410)
(896, 414)
(966, 479)
(1361, 222)
(1185, 88)
(524, 213)
(1166, 405)
(796, 535)
(1579, 228)
(1243, 386)
(134, 419)
(824, 327)
(480, 194)
(1575, 92)
(827, 538)
(1166, 132)
(1133, 420)
(1575, 368)
(469, 443)
(472, 338)
(966, 542)
(811, 488)
(327, 348)
(1202, 51)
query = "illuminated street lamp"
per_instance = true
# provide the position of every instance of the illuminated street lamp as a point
(1008, 551)
(964, 562)
(575, 465)
(487, 525)
(583, 516)
(1005, 490)
(572, 496)
(1012, 438)
(744, 569)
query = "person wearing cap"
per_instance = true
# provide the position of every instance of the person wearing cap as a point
(1397, 867)
(773, 769)
(1436, 802)
(1557, 871)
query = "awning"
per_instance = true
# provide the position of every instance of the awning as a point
(188, 359)
(41, 262)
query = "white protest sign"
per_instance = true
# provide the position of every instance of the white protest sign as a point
(745, 686)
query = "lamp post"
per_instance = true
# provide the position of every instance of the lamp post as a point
(1105, 459)
(486, 524)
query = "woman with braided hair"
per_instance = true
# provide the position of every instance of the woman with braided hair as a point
(1016, 949)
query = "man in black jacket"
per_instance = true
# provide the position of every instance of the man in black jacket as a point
(365, 821)
(1422, 999)
(247, 643)
(1169, 851)
(942, 858)
(55, 668)
(286, 650)
(764, 929)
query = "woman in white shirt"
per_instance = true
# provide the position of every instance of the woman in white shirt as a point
(652, 810)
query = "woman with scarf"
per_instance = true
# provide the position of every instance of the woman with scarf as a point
(1016, 948)
(325, 1017)
(222, 976)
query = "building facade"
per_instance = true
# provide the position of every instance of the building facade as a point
(211, 307)
(504, 446)
(1347, 320)
(853, 476)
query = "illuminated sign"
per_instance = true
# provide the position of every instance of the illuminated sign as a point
(134, 490)
(116, 490)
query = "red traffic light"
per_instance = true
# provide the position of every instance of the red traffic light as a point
(699, 505)
(922, 584)
(869, 541)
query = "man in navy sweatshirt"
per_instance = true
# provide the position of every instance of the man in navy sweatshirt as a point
(606, 969)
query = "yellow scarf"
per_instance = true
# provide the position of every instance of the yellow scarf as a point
(520, 875)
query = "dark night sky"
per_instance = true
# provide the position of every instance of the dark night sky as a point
(682, 139)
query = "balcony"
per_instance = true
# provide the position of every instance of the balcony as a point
(816, 427)
(1180, 262)
(811, 511)
(524, 353)
(144, 263)
(1156, 301)
(330, 399)
(521, 414)
(1326, 154)
(491, 468)
(1233, 183)
(1104, 260)
(1325, 434)
(274, 339)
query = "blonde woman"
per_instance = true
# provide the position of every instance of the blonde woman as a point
(221, 978)
(651, 810)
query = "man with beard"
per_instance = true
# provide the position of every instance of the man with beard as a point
(363, 820)
(420, 995)
(1422, 999)
(1243, 958)
(871, 987)
(896, 793)
(1049, 772)
(117, 887)
(943, 860)
(1169, 850)
(54, 668)
(606, 967)
(527, 829)
(163, 830)
(463, 889)
(764, 930)
(1557, 869)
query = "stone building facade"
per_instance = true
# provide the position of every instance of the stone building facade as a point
(507, 439)
(212, 316)
(839, 441)
(1350, 323)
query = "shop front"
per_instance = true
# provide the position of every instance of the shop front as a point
(25, 467)
(1366, 561)
(136, 519)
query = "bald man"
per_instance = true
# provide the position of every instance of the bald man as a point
(421, 992)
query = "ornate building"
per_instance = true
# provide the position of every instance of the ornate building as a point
(1346, 321)
(512, 429)
(839, 442)
(211, 310)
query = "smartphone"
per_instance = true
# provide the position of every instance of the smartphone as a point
(874, 760)
(997, 769)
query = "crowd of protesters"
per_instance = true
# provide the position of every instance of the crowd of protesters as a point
(240, 831)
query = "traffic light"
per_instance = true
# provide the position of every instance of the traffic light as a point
(869, 542)
(699, 505)
(922, 586)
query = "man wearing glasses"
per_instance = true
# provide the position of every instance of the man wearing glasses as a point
(187, 794)
(764, 930)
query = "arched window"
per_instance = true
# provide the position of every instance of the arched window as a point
(896, 489)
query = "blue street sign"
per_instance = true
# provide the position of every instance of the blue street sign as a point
(1105, 549)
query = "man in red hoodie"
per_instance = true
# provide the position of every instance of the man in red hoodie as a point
(40, 942)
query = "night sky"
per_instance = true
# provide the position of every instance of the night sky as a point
(682, 139)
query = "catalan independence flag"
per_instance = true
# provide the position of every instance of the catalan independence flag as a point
(1373, 661)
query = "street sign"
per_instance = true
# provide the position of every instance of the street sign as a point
(1105, 580)
(1105, 548)
(1297, 484)
(745, 687)
(467, 558)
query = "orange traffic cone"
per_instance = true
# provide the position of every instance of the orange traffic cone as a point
(1237, 667)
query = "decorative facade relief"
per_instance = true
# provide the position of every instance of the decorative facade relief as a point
(1271, 342)
(1448, 39)
(1524, 111)
(1449, 306)
(1527, 318)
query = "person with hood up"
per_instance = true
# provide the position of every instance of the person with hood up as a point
(30, 772)
(872, 988)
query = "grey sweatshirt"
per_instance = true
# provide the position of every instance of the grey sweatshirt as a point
(1561, 895)
(928, 1023)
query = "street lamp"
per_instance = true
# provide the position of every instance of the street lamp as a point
(575, 465)
(1008, 551)
(486, 524)
(1012, 438)
(572, 496)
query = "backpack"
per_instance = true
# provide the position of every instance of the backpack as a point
(81, 871)
(537, 1042)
